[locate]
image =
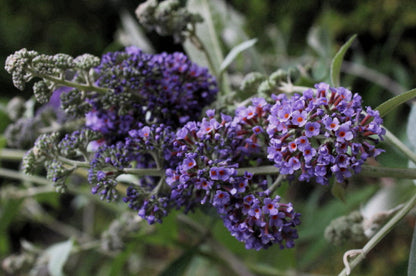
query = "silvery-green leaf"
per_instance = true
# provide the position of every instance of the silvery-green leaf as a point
(235, 52)
(58, 255)
(337, 62)
(394, 102)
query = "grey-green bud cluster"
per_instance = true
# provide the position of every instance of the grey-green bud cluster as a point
(18, 263)
(41, 91)
(264, 85)
(86, 61)
(114, 238)
(345, 229)
(17, 64)
(52, 152)
(16, 108)
(167, 18)
(44, 147)
(272, 83)
(251, 82)
(53, 70)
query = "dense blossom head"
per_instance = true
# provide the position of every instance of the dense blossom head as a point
(136, 152)
(163, 88)
(322, 133)
(211, 151)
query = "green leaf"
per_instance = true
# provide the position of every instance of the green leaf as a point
(411, 133)
(337, 62)
(179, 265)
(58, 255)
(207, 33)
(394, 102)
(411, 270)
(411, 130)
(235, 51)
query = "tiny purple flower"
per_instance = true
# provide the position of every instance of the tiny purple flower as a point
(344, 132)
(221, 198)
(257, 130)
(331, 124)
(188, 164)
(308, 153)
(312, 129)
(292, 146)
(221, 173)
(270, 206)
(255, 211)
(299, 118)
(302, 142)
(284, 113)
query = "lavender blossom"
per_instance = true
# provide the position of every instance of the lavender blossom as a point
(145, 88)
(317, 135)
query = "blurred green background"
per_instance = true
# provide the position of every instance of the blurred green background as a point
(291, 34)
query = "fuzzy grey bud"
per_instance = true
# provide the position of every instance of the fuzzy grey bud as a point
(41, 91)
(278, 76)
(16, 65)
(16, 264)
(63, 61)
(86, 61)
(251, 82)
(15, 108)
(265, 88)
(119, 230)
(167, 18)
(346, 229)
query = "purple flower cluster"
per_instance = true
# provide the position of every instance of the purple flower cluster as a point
(322, 133)
(145, 88)
(311, 137)
(210, 152)
(145, 147)
(255, 218)
(152, 208)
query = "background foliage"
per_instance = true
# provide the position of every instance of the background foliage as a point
(291, 35)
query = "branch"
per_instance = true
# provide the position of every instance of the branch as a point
(378, 236)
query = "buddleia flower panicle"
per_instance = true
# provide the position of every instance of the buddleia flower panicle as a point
(149, 89)
(168, 17)
(322, 133)
(211, 152)
(145, 147)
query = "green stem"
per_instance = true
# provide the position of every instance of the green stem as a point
(276, 183)
(64, 82)
(263, 170)
(200, 45)
(12, 174)
(24, 177)
(380, 235)
(374, 171)
(77, 164)
(366, 170)
(144, 172)
(12, 154)
(393, 140)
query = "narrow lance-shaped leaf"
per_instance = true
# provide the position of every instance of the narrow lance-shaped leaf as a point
(411, 270)
(337, 62)
(235, 51)
(411, 134)
(394, 102)
(207, 33)
(58, 255)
